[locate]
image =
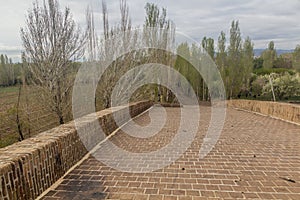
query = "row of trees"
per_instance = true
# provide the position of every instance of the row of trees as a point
(270, 59)
(241, 71)
(9, 72)
(235, 61)
(12, 74)
(53, 42)
(296, 58)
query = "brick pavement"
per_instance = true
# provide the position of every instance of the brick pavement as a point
(256, 157)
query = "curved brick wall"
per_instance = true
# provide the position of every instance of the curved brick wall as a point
(30, 167)
(285, 111)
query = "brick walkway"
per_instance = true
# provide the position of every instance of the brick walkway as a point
(256, 157)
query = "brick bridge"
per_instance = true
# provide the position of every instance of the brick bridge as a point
(256, 157)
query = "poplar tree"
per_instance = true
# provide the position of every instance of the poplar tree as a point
(296, 58)
(234, 60)
(269, 56)
(247, 61)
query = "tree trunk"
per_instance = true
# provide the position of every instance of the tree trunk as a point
(61, 120)
(18, 117)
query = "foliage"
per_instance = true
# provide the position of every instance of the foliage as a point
(263, 71)
(209, 47)
(247, 61)
(163, 37)
(258, 63)
(269, 56)
(182, 65)
(234, 78)
(285, 86)
(283, 62)
(257, 85)
(8, 71)
(296, 58)
(222, 59)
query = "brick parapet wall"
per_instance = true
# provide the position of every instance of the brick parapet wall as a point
(284, 111)
(30, 167)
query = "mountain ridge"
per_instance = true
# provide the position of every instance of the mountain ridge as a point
(258, 52)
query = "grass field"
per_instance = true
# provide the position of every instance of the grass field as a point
(8, 99)
(8, 90)
(34, 120)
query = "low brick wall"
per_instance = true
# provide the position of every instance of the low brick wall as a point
(285, 111)
(30, 167)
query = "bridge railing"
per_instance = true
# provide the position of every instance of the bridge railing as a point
(29, 167)
(284, 111)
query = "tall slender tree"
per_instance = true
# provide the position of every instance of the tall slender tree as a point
(197, 80)
(296, 58)
(159, 33)
(7, 71)
(234, 60)
(221, 57)
(221, 53)
(115, 39)
(269, 56)
(209, 47)
(247, 61)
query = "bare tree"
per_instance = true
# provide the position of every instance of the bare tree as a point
(161, 36)
(52, 40)
(110, 46)
(120, 40)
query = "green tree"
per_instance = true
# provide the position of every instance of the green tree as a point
(209, 47)
(285, 86)
(3, 71)
(161, 35)
(234, 60)
(296, 58)
(283, 61)
(258, 63)
(221, 58)
(221, 54)
(196, 78)
(269, 56)
(247, 61)
(7, 71)
(187, 69)
(163, 28)
(257, 85)
(182, 65)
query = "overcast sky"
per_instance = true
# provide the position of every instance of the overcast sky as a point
(261, 20)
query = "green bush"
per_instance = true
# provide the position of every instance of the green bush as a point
(285, 86)
(264, 71)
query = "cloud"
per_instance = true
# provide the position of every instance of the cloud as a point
(263, 21)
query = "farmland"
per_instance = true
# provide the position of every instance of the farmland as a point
(34, 116)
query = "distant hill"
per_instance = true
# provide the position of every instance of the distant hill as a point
(258, 52)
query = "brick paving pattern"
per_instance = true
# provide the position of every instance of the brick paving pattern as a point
(256, 157)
